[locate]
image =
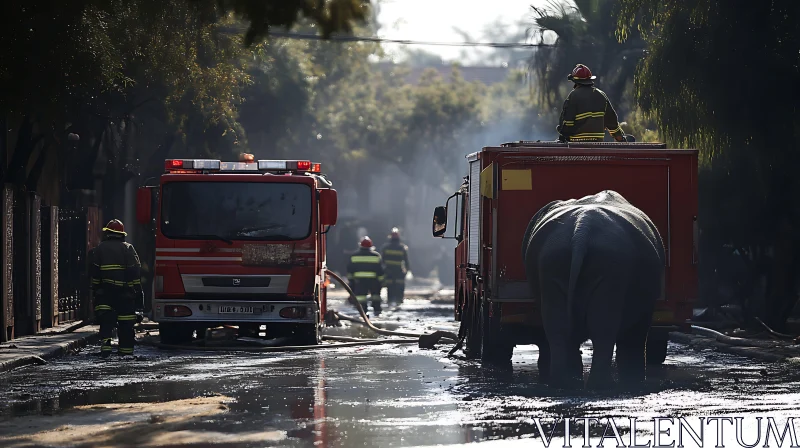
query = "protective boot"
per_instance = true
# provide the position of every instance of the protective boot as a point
(105, 348)
(376, 307)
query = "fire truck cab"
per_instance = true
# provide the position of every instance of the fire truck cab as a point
(239, 243)
(509, 183)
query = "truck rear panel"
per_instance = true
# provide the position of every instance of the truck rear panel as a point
(515, 180)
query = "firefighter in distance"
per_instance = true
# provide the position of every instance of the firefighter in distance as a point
(365, 275)
(396, 266)
(587, 112)
(116, 282)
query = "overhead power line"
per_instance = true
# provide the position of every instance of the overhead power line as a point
(304, 36)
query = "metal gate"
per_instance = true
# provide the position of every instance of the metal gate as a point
(78, 233)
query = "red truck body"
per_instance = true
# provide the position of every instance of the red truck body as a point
(240, 243)
(508, 184)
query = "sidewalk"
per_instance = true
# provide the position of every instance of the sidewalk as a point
(778, 353)
(29, 350)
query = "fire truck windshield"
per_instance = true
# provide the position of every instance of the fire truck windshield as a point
(236, 210)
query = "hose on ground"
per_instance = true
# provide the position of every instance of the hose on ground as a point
(425, 340)
(741, 342)
(341, 342)
(775, 333)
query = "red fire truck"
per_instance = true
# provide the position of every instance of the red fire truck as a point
(239, 243)
(508, 184)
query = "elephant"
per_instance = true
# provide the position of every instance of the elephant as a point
(597, 266)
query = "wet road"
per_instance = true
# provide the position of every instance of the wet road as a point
(381, 396)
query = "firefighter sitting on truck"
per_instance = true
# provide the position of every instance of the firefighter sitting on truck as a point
(116, 282)
(365, 275)
(587, 111)
(395, 262)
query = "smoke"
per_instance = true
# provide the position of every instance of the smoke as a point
(406, 198)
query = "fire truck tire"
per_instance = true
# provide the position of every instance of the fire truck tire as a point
(496, 349)
(308, 334)
(656, 352)
(175, 333)
(472, 344)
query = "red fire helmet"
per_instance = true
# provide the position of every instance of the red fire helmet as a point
(581, 75)
(115, 226)
(366, 242)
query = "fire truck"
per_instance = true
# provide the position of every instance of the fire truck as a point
(239, 243)
(509, 183)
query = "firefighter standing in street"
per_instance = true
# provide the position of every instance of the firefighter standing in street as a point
(365, 274)
(116, 283)
(396, 266)
(587, 111)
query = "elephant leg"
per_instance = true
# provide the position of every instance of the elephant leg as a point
(559, 337)
(604, 319)
(544, 360)
(631, 352)
(576, 360)
(600, 377)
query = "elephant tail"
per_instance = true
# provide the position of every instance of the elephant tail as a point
(580, 245)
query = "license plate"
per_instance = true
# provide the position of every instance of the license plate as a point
(236, 310)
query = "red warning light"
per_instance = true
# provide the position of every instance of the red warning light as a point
(303, 165)
(171, 164)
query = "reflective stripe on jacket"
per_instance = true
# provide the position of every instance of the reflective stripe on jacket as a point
(365, 264)
(586, 114)
(395, 259)
(115, 270)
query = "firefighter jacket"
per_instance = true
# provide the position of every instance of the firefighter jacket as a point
(365, 264)
(586, 114)
(116, 278)
(395, 259)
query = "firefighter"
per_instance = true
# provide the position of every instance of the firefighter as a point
(587, 111)
(117, 287)
(395, 262)
(365, 275)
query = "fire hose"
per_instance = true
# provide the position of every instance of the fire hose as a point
(424, 340)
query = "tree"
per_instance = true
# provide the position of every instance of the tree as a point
(584, 33)
(88, 66)
(703, 79)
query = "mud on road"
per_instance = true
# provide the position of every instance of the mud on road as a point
(381, 396)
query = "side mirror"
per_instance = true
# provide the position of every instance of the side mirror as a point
(328, 207)
(439, 221)
(144, 202)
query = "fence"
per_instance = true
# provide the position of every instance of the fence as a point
(44, 263)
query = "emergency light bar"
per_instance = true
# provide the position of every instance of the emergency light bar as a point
(192, 166)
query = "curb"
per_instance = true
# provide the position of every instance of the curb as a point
(759, 353)
(50, 353)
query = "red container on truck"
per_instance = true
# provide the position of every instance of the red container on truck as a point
(240, 243)
(508, 184)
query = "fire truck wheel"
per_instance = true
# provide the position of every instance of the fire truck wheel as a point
(499, 348)
(656, 350)
(172, 333)
(307, 334)
(472, 344)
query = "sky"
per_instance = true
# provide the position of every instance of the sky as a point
(434, 20)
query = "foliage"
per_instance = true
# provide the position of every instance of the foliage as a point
(89, 66)
(704, 93)
(642, 126)
(330, 16)
(585, 33)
